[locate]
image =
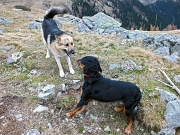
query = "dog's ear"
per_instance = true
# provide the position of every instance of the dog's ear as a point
(92, 66)
(99, 67)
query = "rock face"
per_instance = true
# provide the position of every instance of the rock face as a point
(99, 22)
(165, 44)
(172, 113)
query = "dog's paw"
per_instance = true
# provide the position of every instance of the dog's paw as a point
(128, 130)
(61, 73)
(68, 115)
(72, 71)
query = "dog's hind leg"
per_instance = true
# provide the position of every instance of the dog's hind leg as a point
(119, 109)
(70, 65)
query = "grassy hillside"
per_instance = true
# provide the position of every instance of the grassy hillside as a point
(16, 82)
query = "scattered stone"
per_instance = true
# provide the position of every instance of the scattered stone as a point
(177, 78)
(32, 73)
(93, 117)
(59, 94)
(4, 21)
(114, 66)
(47, 91)
(50, 125)
(33, 132)
(107, 129)
(15, 9)
(128, 65)
(6, 48)
(35, 25)
(63, 87)
(19, 117)
(2, 30)
(40, 108)
(14, 57)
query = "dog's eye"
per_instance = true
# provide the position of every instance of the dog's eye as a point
(71, 43)
(66, 44)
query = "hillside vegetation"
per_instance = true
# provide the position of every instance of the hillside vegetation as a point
(18, 89)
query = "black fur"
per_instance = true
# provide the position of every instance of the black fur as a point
(49, 25)
(102, 89)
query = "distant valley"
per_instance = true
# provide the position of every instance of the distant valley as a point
(136, 14)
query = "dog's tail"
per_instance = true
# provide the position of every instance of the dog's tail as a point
(54, 11)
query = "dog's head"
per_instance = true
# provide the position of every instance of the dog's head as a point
(65, 43)
(90, 66)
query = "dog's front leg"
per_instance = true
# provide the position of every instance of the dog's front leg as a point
(70, 65)
(47, 53)
(61, 72)
(81, 105)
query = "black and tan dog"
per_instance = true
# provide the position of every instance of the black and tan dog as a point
(96, 87)
(57, 41)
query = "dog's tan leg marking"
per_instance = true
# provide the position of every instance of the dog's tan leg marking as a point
(71, 114)
(70, 65)
(129, 127)
(119, 109)
(82, 109)
(61, 72)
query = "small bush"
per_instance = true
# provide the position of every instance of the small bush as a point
(22, 7)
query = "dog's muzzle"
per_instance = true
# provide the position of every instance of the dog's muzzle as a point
(69, 53)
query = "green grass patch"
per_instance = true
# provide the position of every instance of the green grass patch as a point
(65, 102)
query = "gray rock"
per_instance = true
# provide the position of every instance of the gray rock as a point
(164, 40)
(100, 21)
(47, 91)
(136, 34)
(176, 47)
(166, 96)
(177, 78)
(114, 66)
(33, 132)
(19, 117)
(172, 58)
(14, 57)
(128, 65)
(167, 131)
(83, 28)
(172, 114)
(162, 50)
(40, 108)
(2, 30)
(35, 25)
(5, 21)
(6, 48)
(107, 129)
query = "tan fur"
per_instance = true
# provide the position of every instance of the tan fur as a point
(62, 42)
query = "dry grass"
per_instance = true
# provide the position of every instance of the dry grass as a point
(108, 49)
